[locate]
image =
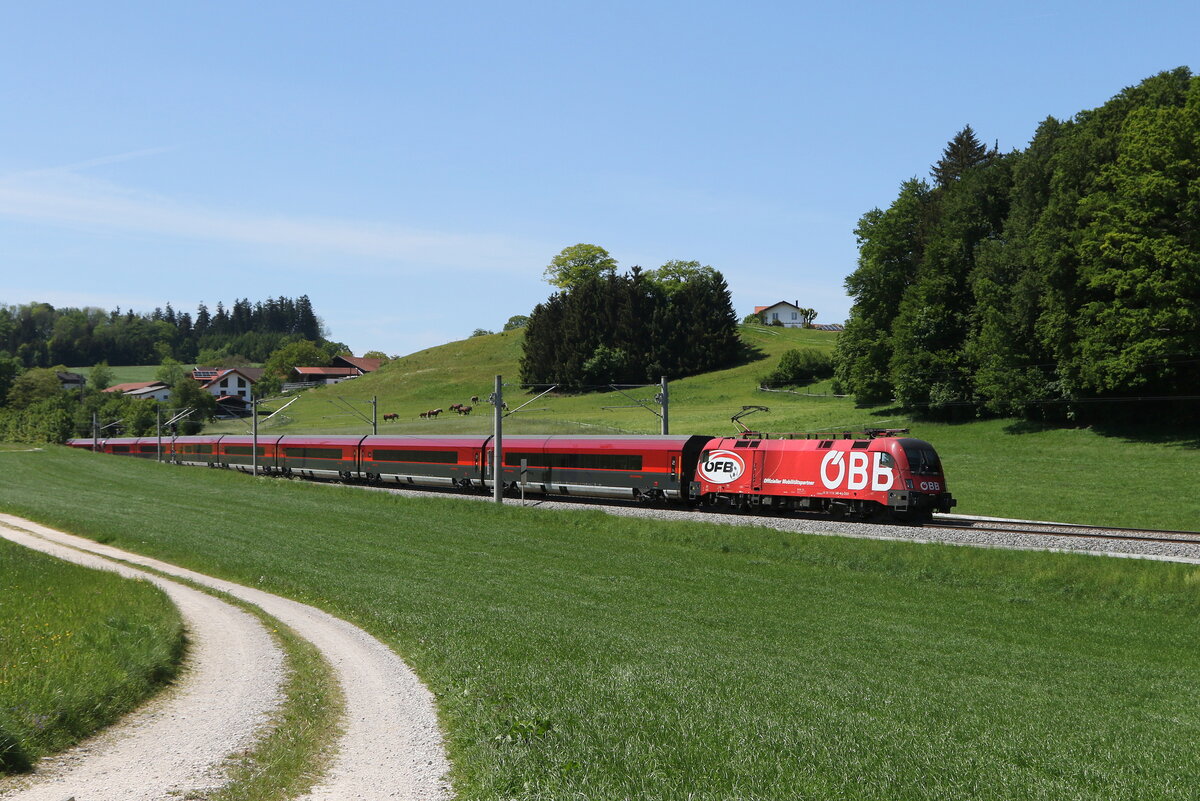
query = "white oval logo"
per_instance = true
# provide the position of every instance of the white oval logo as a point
(722, 467)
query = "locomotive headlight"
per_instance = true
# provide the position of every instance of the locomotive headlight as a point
(908, 483)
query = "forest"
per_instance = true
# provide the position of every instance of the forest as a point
(39, 335)
(1060, 282)
(607, 328)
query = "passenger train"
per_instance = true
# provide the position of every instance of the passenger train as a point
(870, 475)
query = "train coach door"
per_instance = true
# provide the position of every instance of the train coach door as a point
(756, 470)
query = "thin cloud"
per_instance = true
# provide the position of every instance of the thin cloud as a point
(61, 197)
(116, 158)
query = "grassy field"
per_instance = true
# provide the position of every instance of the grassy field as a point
(1132, 477)
(575, 655)
(125, 374)
(78, 648)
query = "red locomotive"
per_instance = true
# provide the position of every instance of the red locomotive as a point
(872, 475)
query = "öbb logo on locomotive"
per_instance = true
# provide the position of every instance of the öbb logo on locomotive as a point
(856, 474)
(722, 467)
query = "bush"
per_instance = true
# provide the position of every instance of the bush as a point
(800, 366)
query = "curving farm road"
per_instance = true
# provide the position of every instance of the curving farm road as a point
(390, 747)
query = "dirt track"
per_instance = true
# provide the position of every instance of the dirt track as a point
(391, 745)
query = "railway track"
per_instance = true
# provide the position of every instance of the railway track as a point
(1071, 530)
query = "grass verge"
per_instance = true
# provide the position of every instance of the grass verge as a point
(289, 760)
(78, 649)
(576, 655)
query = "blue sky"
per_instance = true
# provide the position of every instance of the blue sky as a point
(413, 167)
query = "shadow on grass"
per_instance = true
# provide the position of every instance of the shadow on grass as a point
(1176, 436)
(13, 758)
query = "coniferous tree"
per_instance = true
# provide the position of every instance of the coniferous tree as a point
(961, 155)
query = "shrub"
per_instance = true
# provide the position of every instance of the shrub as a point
(798, 366)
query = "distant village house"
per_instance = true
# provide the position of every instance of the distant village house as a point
(344, 368)
(228, 382)
(154, 390)
(791, 315)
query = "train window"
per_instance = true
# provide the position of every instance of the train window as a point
(120, 449)
(242, 450)
(148, 449)
(313, 453)
(923, 461)
(577, 461)
(434, 457)
(203, 449)
(886, 460)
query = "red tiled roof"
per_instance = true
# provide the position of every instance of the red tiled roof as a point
(366, 365)
(134, 385)
(326, 371)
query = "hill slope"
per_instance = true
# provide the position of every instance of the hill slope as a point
(1133, 477)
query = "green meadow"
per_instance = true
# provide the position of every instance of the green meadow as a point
(576, 655)
(1140, 475)
(78, 648)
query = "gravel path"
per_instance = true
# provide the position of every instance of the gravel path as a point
(177, 742)
(391, 745)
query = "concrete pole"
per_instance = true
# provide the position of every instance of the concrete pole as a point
(95, 433)
(254, 428)
(666, 427)
(158, 431)
(375, 414)
(498, 450)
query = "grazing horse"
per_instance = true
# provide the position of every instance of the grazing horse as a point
(434, 412)
(474, 400)
(464, 409)
(424, 415)
(390, 416)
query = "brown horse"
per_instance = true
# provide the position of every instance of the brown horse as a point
(390, 416)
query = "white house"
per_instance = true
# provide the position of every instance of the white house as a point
(233, 382)
(788, 314)
(155, 390)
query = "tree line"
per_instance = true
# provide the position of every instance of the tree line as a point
(607, 328)
(40, 335)
(1057, 282)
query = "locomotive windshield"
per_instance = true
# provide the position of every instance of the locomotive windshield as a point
(922, 459)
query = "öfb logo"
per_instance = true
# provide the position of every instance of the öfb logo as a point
(721, 467)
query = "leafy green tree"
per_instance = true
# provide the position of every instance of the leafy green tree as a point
(100, 377)
(305, 353)
(377, 354)
(577, 262)
(10, 368)
(891, 247)
(172, 373)
(33, 385)
(930, 369)
(516, 321)
(189, 394)
(1139, 317)
(676, 274)
(481, 332)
